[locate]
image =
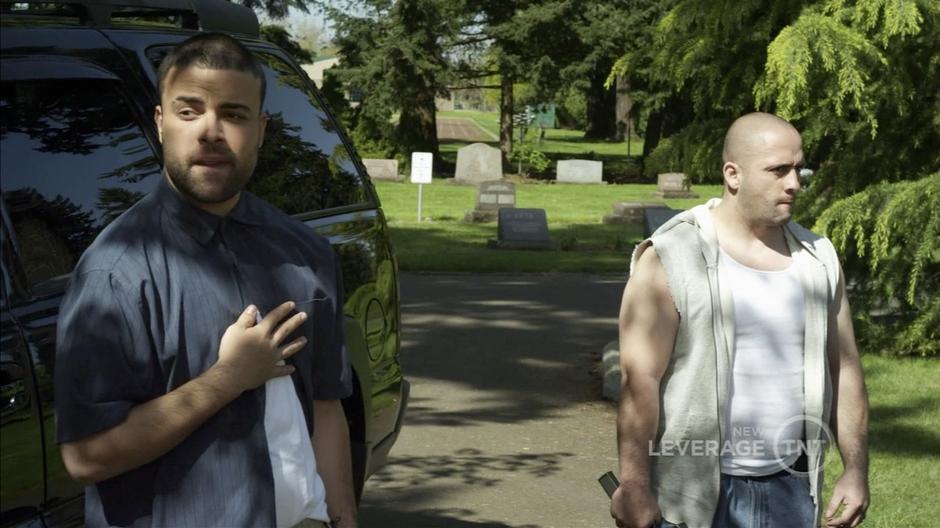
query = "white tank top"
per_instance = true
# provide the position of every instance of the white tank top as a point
(298, 489)
(763, 429)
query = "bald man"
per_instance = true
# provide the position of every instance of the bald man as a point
(738, 358)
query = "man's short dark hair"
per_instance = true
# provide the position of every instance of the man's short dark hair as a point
(214, 51)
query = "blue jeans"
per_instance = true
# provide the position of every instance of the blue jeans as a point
(781, 500)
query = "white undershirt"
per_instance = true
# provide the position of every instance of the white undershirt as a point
(298, 489)
(763, 426)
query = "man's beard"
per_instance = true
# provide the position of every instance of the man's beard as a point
(180, 173)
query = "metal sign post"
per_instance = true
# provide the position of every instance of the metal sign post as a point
(422, 164)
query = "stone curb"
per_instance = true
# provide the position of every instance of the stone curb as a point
(610, 370)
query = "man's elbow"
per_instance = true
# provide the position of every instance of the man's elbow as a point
(80, 466)
(638, 385)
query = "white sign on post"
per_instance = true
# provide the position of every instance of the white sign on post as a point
(422, 164)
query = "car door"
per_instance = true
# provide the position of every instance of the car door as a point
(21, 467)
(73, 156)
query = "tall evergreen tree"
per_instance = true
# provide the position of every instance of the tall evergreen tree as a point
(393, 62)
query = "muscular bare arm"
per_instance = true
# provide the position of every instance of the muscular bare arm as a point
(334, 463)
(248, 355)
(849, 418)
(648, 326)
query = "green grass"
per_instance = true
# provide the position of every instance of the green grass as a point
(574, 212)
(904, 442)
(558, 143)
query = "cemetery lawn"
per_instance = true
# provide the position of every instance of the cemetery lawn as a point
(444, 243)
(904, 432)
(558, 143)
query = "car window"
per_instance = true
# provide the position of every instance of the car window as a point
(303, 165)
(72, 158)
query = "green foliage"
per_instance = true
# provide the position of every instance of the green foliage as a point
(624, 170)
(695, 150)
(819, 44)
(393, 58)
(889, 237)
(863, 91)
(530, 159)
(572, 108)
(859, 79)
(280, 37)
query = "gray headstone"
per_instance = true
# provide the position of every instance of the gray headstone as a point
(382, 169)
(522, 229)
(673, 185)
(630, 212)
(657, 216)
(494, 195)
(579, 171)
(477, 163)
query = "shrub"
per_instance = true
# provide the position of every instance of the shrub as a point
(889, 239)
(531, 160)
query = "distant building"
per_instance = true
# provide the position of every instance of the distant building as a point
(316, 69)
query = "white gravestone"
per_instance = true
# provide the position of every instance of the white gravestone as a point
(477, 163)
(382, 169)
(673, 185)
(579, 171)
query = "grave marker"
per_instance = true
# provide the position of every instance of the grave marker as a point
(579, 171)
(477, 163)
(522, 229)
(382, 169)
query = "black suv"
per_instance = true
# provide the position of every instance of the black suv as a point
(78, 146)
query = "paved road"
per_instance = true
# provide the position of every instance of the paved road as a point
(506, 427)
(463, 129)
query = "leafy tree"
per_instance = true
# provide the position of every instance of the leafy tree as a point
(602, 31)
(280, 37)
(862, 86)
(889, 236)
(393, 58)
(697, 64)
(497, 29)
(859, 79)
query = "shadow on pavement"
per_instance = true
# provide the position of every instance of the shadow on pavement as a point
(488, 356)
(431, 518)
(466, 467)
(409, 481)
(525, 348)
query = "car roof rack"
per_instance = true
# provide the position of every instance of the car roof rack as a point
(202, 15)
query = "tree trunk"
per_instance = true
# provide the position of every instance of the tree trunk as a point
(505, 117)
(601, 105)
(417, 127)
(654, 131)
(623, 106)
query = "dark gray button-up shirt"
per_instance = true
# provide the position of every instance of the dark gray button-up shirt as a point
(145, 311)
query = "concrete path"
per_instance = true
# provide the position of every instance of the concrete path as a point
(462, 129)
(506, 427)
